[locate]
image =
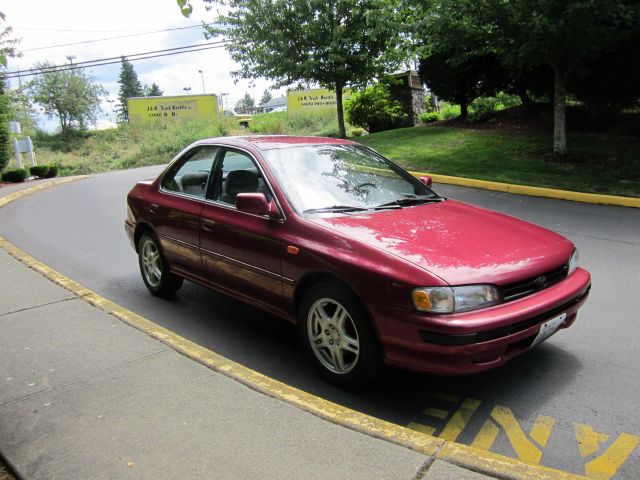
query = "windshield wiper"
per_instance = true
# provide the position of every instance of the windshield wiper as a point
(416, 200)
(336, 208)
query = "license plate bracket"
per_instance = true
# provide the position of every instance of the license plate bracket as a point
(548, 328)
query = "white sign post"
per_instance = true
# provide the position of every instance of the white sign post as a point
(21, 146)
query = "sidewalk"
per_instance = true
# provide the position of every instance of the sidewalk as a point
(85, 396)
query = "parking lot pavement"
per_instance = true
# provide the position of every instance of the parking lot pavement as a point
(83, 395)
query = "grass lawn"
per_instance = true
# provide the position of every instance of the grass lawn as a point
(595, 163)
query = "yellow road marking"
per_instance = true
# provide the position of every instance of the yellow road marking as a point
(477, 460)
(607, 464)
(588, 440)
(436, 412)
(459, 420)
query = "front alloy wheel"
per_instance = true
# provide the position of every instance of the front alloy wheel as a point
(338, 335)
(333, 336)
(155, 273)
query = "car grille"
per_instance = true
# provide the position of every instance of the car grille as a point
(513, 291)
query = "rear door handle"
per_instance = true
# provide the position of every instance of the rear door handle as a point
(207, 225)
(153, 208)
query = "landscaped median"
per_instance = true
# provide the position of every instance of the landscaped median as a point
(534, 191)
(598, 164)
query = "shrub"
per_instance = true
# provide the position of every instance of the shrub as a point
(15, 175)
(449, 110)
(357, 132)
(40, 171)
(374, 109)
(53, 171)
(482, 108)
(430, 117)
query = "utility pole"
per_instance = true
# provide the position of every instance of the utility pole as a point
(71, 58)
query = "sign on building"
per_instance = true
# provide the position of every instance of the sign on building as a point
(150, 110)
(314, 100)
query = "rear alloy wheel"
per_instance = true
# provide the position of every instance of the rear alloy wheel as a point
(155, 273)
(338, 336)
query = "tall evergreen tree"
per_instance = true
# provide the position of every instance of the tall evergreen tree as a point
(130, 87)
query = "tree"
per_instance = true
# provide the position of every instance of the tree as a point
(561, 34)
(7, 49)
(71, 95)
(130, 87)
(460, 77)
(152, 91)
(7, 45)
(335, 44)
(4, 125)
(266, 96)
(610, 82)
(245, 104)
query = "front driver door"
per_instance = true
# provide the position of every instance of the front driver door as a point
(241, 253)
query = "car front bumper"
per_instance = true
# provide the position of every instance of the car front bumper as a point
(471, 342)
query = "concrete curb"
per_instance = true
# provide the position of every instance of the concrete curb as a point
(480, 461)
(534, 191)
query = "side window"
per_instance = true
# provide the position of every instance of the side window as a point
(190, 176)
(239, 175)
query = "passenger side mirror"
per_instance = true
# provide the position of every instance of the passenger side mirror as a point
(257, 204)
(426, 180)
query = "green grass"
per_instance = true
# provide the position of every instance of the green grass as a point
(595, 163)
(120, 148)
(323, 124)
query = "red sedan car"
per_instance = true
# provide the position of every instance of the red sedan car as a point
(373, 266)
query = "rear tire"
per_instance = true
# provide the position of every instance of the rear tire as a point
(154, 270)
(338, 336)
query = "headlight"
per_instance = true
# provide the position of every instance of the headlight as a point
(573, 262)
(454, 299)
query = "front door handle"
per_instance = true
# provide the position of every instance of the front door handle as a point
(153, 208)
(207, 225)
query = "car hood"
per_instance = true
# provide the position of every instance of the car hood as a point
(460, 243)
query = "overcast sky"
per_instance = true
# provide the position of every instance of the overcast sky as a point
(47, 23)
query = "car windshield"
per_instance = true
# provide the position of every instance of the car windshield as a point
(343, 179)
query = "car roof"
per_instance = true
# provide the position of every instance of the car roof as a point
(268, 142)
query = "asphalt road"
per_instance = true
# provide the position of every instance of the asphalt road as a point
(572, 403)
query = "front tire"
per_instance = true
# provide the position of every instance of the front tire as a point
(154, 270)
(338, 336)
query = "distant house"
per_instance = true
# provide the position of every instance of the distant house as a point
(276, 104)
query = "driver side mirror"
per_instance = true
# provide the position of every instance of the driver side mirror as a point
(426, 180)
(257, 204)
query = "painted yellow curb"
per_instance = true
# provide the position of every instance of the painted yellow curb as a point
(467, 457)
(534, 191)
(41, 185)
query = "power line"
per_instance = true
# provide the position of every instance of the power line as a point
(109, 38)
(90, 63)
(113, 60)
